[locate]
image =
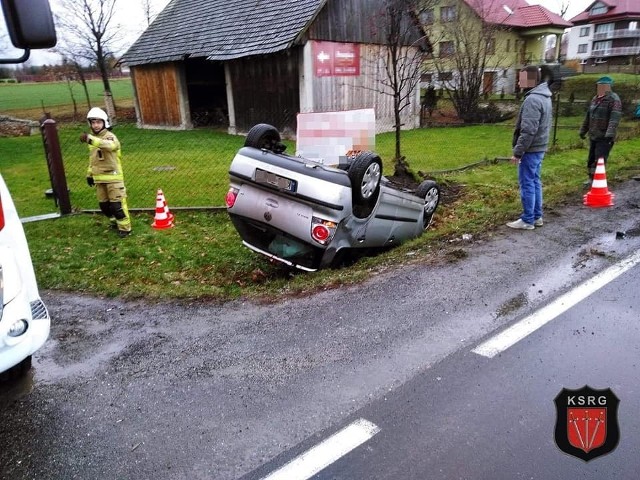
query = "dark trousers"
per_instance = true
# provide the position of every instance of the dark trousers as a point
(598, 149)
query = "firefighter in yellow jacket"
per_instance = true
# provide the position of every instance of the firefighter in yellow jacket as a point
(105, 170)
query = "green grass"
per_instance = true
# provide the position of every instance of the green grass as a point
(202, 256)
(27, 96)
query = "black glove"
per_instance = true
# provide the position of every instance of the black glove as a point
(583, 136)
(609, 140)
(90, 181)
(84, 138)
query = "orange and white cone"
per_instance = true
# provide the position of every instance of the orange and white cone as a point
(163, 218)
(599, 195)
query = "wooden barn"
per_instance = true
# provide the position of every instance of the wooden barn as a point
(235, 63)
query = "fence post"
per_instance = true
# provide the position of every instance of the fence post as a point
(54, 163)
(110, 107)
(555, 121)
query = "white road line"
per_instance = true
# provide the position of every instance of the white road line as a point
(530, 324)
(327, 452)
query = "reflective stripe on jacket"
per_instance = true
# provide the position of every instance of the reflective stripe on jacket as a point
(105, 158)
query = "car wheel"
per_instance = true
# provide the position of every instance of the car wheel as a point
(264, 136)
(365, 173)
(430, 193)
(16, 371)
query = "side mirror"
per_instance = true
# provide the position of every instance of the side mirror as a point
(30, 25)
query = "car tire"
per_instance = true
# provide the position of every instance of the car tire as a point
(16, 371)
(365, 173)
(264, 136)
(430, 193)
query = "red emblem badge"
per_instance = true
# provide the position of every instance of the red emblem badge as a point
(587, 422)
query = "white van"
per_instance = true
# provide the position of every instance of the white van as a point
(24, 319)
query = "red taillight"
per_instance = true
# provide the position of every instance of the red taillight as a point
(1, 215)
(230, 197)
(322, 230)
(320, 233)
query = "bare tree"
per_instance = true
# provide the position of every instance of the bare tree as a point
(74, 72)
(465, 49)
(564, 7)
(149, 11)
(403, 43)
(91, 35)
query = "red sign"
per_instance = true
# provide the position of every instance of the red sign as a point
(332, 59)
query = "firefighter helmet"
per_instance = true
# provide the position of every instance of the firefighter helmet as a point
(100, 114)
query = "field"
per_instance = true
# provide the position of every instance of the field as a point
(31, 100)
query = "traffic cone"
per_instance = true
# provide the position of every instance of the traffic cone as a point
(599, 195)
(163, 218)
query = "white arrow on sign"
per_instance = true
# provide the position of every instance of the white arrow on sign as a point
(323, 56)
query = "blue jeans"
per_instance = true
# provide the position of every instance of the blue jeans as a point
(530, 186)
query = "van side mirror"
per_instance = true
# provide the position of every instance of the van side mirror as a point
(30, 25)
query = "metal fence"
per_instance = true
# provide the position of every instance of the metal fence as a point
(191, 167)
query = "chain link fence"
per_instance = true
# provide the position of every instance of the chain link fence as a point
(191, 167)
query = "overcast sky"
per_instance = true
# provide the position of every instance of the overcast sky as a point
(130, 16)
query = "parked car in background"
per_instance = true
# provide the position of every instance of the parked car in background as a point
(24, 319)
(310, 216)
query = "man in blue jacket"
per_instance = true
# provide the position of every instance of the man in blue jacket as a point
(530, 140)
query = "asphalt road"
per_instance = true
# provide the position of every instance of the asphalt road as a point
(198, 391)
(472, 417)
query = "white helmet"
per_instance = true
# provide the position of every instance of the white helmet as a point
(100, 114)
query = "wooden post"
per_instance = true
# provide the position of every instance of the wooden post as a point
(54, 163)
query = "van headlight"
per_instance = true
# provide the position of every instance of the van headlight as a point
(18, 328)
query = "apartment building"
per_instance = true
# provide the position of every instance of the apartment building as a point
(606, 34)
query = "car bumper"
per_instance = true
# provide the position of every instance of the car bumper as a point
(277, 244)
(13, 350)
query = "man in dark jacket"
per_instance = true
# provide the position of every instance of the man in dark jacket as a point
(530, 140)
(601, 123)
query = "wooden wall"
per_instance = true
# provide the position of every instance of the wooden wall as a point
(266, 90)
(157, 95)
(357, 21)
(363, 91)
(353, 21)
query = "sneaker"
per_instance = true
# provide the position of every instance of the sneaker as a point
(123, 233)
(538, 222)
(520, 225)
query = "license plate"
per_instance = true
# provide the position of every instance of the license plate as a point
(269, 178)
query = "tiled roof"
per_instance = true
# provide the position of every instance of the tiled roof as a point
(222, 29)
(617, 8)
(517, 14)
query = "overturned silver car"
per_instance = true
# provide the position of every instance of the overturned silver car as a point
(311, 216)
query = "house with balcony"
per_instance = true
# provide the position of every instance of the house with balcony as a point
(606, 36)
(508, 34)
